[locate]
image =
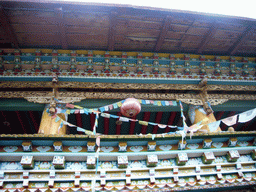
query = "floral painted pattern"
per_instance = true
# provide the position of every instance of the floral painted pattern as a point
(165, 147)
(243, 143)
(75, 149)
(217, 144)
(136, 148)
(106, 149)
(10, 149)
(192, 146)
(43, 148)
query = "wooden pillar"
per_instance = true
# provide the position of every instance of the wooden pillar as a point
(49, 125)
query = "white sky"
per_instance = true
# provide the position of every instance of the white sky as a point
(241, 8)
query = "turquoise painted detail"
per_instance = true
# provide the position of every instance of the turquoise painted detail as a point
(130, 80)
(112, 154)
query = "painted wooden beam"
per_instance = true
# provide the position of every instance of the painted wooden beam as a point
(92, 120)
(79, 121)
(118, 126)
(106, 125)
(162, 35)
(240, 41)
(21, 122)
(4, 20)
(158, 120)
(170, 121)
(61, 27)
(145, 118)
(33, 119)
(132, 126)
(112, 31)
(210, 33)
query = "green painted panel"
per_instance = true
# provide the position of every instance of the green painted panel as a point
(24, 105)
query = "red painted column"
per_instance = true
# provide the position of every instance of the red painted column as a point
(158, 119)
(118, 127)
(170, 121)
(132, 126)
(145, 118)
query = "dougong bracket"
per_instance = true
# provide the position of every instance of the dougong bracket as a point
(204, 97)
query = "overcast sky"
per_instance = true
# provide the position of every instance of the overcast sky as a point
(241, 8)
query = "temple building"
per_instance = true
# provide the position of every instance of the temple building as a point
(103, 97)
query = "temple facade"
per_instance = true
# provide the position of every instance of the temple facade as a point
(164, 102)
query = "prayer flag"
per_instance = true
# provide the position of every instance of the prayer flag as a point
(106, 115)
(119, 104)
(110, 107)
(162, 126)
(247, 116)
(214, 126)
(124, 119)
(78, 107)
(115, 105)
(143, 123)
(102, 109)
(230, 120)
(70, 106)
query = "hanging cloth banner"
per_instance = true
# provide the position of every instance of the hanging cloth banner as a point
(230, 120)
(96, 123)
(162, 126)
(182, 115)
(214, 126)
(84, 131)
(106, 115)
(247, 116)
(171, 126)
(124, 119)
(143, 123)
(70, 106)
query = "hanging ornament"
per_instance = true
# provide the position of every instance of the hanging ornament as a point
(131, 107)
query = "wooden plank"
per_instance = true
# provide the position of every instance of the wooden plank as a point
(34, 28)
(39, 39)
(112, 30)
(209, 35)
(62, 27)
(162, 35)
(4, 20)
(233, 49)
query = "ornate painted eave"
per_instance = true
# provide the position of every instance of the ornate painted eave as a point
(177, 167)
(126, 137)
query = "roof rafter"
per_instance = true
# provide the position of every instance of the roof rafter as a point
(163, 32)
(4, 20)
(112, 30)
(239, 41)
(61, 27)
(210, 33)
